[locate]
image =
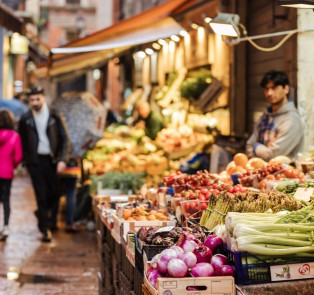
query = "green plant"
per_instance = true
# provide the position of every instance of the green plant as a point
(196, 83)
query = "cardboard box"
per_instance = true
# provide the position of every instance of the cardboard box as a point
(175, 286)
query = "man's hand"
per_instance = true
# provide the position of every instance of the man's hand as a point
(61, 166)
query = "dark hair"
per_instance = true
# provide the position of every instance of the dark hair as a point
(6, 119)
(36, 90)
(277, 77)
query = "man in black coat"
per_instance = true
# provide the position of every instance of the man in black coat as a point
(46, 148)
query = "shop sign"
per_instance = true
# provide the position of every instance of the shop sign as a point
(19, 44)
(296, 271)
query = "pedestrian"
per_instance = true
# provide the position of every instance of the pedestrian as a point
(46, 148)
(69, 178)
(10, 156)
(148, 119)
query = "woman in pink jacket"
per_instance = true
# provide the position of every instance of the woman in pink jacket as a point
(10, 156)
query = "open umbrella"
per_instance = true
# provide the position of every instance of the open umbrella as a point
(85, 117)
(15, 106)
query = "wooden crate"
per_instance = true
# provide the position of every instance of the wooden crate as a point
(122, 226)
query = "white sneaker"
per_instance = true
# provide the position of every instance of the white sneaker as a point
(5, 231)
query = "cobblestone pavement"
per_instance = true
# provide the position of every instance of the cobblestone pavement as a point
(68, 265)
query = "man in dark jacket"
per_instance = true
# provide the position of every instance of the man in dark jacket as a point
(46, 148)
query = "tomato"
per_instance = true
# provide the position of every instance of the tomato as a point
(230, 189)
(194, 206)
(236, 189)
(187, 206)
(203, 206)
(215, 186)
(201, 197)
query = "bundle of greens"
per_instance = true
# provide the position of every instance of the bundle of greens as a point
(250, 201)
(273, 234)
(124, 181)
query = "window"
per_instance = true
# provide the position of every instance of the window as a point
(73, 2)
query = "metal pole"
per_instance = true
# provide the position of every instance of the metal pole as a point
(273, 34)
(1, 61)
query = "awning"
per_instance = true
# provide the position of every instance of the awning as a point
(10, 21)
(158, 30)
(86, 52)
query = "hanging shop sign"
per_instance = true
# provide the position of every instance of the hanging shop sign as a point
(19, 44)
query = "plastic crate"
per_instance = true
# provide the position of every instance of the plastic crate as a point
(150, 250)
(251, 269)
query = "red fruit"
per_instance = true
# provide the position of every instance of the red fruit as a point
(193, 206)
(236, 189)
(230, 189)
(201, 197)
(187, 206)
(215, 186)
(203, 206)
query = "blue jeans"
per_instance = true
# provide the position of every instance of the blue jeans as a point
(70, 190)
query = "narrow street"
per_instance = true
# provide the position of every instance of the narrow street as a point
(67, 266)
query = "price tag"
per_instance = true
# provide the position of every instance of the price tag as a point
(304, 194)
(164, 229)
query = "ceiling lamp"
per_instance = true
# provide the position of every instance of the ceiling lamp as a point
(226, 24)
(175, 38)
(297, 4)
(184, 33)
(149, 51)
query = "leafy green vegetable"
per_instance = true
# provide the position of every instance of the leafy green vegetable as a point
(125, 181)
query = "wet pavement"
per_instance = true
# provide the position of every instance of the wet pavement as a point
(68, 265)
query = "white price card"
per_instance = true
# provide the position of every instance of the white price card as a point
(304, 194)
(164, 229)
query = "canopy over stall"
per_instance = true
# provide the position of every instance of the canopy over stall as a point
(89, 51)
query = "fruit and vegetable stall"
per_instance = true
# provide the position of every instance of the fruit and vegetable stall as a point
(249, 233)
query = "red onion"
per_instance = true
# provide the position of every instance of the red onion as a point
(224, 270)
(177, 268)
(213, 243)
(203, 254)
(202, 269)
(164, 258)
(178, 249)
(219, 260)
(189, 259)
(154, 261)
(153, 276)
(188, 245)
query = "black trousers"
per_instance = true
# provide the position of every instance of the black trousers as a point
(5, 189)
(46, 187)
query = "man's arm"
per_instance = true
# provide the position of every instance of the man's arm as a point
(252, 141)
(290, 133)
(22, 131)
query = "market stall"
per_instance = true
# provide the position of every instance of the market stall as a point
(213, 236)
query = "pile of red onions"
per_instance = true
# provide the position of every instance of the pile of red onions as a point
(190, 258)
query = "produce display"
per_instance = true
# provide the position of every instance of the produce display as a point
(151, 236)
(273, 234)
(142, 214)
(176, 139)
(190, 257)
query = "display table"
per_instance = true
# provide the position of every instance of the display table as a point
(299, 287)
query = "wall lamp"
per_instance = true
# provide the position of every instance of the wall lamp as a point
(227, 24)
(296, 4)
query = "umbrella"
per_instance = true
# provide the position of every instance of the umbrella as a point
(85, 117)
(15, 106)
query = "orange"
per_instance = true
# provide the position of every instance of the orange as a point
(240, 159)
